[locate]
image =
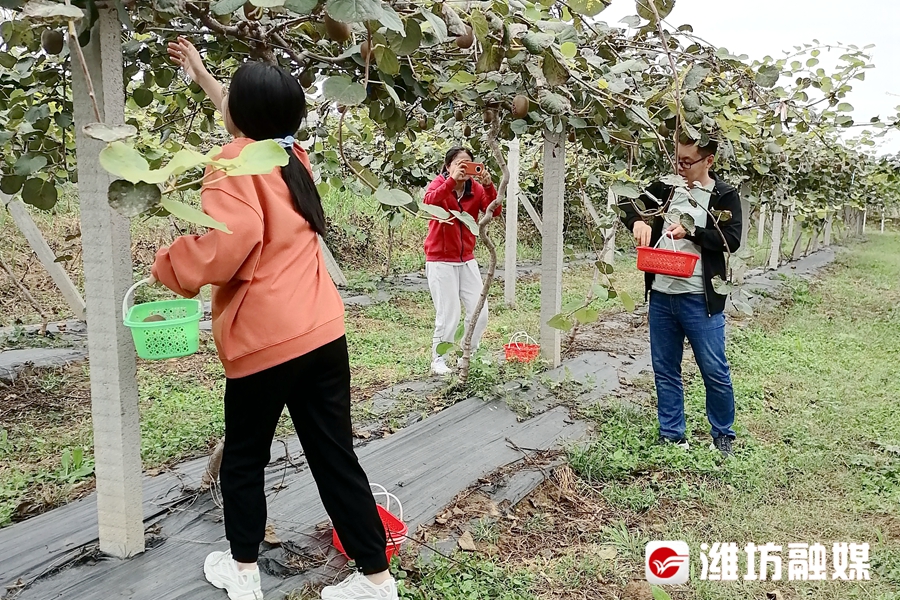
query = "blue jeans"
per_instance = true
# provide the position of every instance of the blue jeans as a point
(672, 317)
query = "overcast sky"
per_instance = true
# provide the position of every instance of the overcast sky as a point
(768, 27)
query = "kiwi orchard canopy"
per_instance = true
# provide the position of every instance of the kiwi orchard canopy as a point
(405, 77)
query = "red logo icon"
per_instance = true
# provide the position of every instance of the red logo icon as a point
(667, 562)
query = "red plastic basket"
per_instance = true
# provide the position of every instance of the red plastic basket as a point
(666, 262)
(394, 528)
(517, 351)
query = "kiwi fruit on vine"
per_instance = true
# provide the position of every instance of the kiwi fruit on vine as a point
(458, 115)
(467, 132)
(252, 13)
(520, 106)
(423, 123)
(365, 51)
(307, 78)
(572, 136)
(52, 41)
(337, 31)
(466, 40)
(489, 115)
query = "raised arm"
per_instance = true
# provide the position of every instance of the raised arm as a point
(185, 55)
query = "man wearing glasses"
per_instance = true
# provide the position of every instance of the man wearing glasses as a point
(689, 306)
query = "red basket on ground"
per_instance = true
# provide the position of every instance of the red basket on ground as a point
(394, 528)
(516, 351)
(666, 262)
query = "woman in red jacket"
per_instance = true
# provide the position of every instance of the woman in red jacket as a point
(450, 266)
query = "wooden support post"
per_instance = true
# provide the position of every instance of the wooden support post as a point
(826, 241)
(775, 254)
(106, 238)
(761, 233)
(552, 243)
(512, 224)
(337, 276)
(45, 254)
(745, 210)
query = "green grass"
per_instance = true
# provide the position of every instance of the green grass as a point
(818, 455)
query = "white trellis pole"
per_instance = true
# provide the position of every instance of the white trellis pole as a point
(865, 214)
(512, 224)
(745, 211)
(882, 220)
(608, 254)
(829, 220)
(761, 233)
(797, 252)
(791, 218)
(552, 243)
(106, 238)
(775, 254)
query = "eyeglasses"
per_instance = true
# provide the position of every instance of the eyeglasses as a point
(684, 164)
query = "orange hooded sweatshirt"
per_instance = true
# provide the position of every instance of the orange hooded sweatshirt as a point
(272, 299)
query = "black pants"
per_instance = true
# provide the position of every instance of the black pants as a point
(316, 389)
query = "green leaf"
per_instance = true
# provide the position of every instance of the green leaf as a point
(355, 11)
(625, 190)
(768, 76)
(627, 302)
(257, 158)
(142, 97)
(392, 197)
(664, 7)
(26, 165)
(124, 162)
(600, 292)
(409, 44)
(435, 211)
(109, 133)
(519, 126)
(192, 215)
(11, 184)
(443, 348)
(845, 107)
(554, 103)
(460, 332)
(568, 49)
(226, 7)
(536, 43)
(722, 287)
(588, 8)
(40, 194)
(66, 460)
(437, 25)
(553, 69)
(343, 90)
(694, 77)
(604, 268)
(560, 322)
(491, 59)
(391, 20)
(301, 7)
(479, 25)
(133, 199)
(467, 220)
(46, 10)
(267, 3)
(387, 61)
(587, 315)
(659, 593)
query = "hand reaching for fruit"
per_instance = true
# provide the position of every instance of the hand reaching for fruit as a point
(185, 55)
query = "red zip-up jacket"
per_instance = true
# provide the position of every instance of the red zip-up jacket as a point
(453, 242)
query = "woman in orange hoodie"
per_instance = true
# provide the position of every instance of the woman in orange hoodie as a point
(278, 324)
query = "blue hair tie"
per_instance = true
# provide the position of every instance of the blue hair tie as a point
(286, 142)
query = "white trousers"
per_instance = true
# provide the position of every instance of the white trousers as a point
(451, 283)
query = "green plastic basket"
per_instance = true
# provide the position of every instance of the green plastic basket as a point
(178, 335)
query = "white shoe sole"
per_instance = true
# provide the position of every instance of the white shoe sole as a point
(221, 586)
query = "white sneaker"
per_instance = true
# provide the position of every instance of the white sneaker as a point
(358, 587)
(221, 571)
(439, 366)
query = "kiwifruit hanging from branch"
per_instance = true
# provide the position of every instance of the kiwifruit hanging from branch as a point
(467, 132)
(52, 41)
(489, 115)
(572, 136)
(337, 31)
(308, 77)
(520, 106)
(423, 123)
(458, 115)
(466, 40)
(365, 51)
(252, 13)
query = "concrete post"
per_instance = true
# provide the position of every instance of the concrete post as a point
(826, 241)
(865, 214)
(797, 252)
(106, 238)
(552, 243)
(761, 233)
(790, 231)
(745, 211)
(775, 254)
(512, 224)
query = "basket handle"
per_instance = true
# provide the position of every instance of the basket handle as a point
(130, 293)
(514, 340)
(667, 234)
(388, 496)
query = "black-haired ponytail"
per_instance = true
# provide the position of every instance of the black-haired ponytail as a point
(304, 193)
(266, 102)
